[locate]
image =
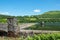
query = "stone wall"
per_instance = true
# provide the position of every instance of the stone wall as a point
(4, 27)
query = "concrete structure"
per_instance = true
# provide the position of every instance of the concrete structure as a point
(10, 28)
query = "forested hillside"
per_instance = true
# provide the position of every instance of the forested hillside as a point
(51, 14)
(33, 18)
(54, 15)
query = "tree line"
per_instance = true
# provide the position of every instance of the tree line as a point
(47, 17)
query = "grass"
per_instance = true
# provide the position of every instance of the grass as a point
(49, 36)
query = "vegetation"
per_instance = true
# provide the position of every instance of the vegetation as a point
(49, 36)
(3, 18)
(47, 16)
(53, 36)
(51, 14)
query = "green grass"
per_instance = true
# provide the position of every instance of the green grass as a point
(3, 20)
(49, 36)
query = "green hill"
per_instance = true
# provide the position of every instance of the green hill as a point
(51, 14)
(35, 18)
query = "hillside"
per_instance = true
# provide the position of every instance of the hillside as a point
(34, 18)
(51, 14)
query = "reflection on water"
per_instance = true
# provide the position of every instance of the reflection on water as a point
(53, 23)
(47, 26)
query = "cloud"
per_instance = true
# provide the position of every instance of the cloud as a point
(36, 10)
(4, 13)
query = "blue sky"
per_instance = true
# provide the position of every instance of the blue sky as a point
(27, 7)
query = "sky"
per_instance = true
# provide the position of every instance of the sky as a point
(28, 7)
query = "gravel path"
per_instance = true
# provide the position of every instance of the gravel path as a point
(25, 25)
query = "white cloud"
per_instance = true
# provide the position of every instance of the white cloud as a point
(36, 10)
(4, 13)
